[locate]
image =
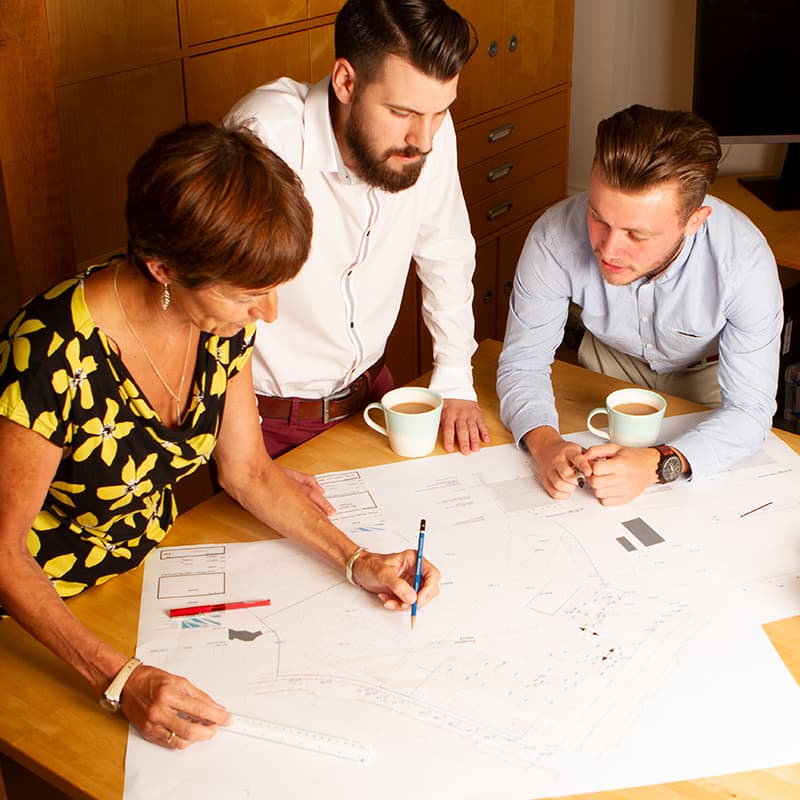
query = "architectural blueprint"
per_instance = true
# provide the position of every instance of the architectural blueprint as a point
(572, 647)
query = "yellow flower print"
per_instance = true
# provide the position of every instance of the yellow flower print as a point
(76, 380)
(62, 491)
(55, 343)
(17, 343)
(103, 434)
(60, 288)
(135, 483)
(60, 565)
(202, 447)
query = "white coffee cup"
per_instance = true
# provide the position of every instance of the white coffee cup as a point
(634, 417)
(412, 416)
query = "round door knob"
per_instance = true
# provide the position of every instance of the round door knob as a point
(513, 43)
(493, 48)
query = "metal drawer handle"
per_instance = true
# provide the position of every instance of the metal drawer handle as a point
(493, 49)
(503, 171)
(507, 287)
(513, 43)
(497, 211)
(502, 132)
(488, 296)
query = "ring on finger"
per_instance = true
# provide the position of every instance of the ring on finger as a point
(170, 737)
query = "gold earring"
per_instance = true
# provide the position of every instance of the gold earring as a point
(165, 298)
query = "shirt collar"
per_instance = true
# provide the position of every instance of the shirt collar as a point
(321, 152)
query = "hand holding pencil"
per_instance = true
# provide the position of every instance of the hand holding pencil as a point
(393, 578)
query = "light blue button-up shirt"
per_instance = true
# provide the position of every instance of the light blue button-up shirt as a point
(721, 294)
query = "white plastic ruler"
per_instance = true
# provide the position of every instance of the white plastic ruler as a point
(298, 737)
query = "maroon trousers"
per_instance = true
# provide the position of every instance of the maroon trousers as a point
(281, 435)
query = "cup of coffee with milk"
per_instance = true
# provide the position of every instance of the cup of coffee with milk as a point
(412, 416)
(634, 417)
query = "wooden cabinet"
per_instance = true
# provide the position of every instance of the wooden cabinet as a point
(107, 77)
(85, 86)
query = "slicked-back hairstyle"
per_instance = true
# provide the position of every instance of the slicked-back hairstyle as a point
(640, 147)
(215, 204)
(429, 34)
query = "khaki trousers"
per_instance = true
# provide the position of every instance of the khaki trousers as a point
(698, 383)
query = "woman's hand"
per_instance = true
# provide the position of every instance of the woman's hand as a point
(160, 704)
(391, 577)
(314, 492)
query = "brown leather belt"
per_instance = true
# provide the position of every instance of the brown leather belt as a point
(332, 408)
(712, 359)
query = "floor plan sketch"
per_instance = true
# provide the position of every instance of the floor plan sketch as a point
(555, 660)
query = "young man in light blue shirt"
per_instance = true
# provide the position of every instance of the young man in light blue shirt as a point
(678, 290)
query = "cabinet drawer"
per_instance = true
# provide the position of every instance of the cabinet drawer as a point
(513, 166)
(209, 20)
(507, 130)
(504, 208)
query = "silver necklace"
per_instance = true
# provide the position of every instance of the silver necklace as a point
(175, 397)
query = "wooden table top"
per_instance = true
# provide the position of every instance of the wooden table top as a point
(780, 228)
(52, 725)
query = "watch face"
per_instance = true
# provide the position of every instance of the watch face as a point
(670, 468)
(108, 704)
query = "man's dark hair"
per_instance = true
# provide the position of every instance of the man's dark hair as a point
(429, 34)
(640, 147)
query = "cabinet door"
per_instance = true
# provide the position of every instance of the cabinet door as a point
(106, 123)
(321, 51)
(480, 79)
(96, 36)
(208, 20)
(484, 283)
(536, 45)
(509, 247)
(316, 8)
(215, 81)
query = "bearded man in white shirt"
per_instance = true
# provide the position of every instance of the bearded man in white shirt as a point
(375, 148)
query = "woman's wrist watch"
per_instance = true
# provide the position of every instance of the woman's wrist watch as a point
(110, 698)
(669, 466)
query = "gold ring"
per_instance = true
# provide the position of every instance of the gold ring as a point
(170, 737)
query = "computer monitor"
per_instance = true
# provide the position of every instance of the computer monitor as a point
(747, 83)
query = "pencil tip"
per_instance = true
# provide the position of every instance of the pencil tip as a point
(413, 620)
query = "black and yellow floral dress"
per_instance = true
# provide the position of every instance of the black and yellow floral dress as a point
(111, 499)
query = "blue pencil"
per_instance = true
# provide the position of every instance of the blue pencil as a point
(418, 572)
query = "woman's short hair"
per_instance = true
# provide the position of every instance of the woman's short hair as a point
(429, 34)
(213, 203)
(640, 147)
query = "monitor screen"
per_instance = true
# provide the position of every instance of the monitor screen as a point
(747, 83)
(747, 70)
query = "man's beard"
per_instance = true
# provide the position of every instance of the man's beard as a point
(376, 171)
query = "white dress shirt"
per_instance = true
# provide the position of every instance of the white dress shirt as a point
(720, 295)
(334, 318)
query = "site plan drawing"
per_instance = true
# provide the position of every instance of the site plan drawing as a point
(573, 648)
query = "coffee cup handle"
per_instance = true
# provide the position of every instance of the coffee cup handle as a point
(369, 420)
(597, 431)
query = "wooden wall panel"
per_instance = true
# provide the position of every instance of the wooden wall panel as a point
(215, 81)
(209, 20)
(35, 240)
(316, 8)
(321, 51)
(94, 37)
(106, 123)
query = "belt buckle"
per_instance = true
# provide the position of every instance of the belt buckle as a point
(326, 407)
